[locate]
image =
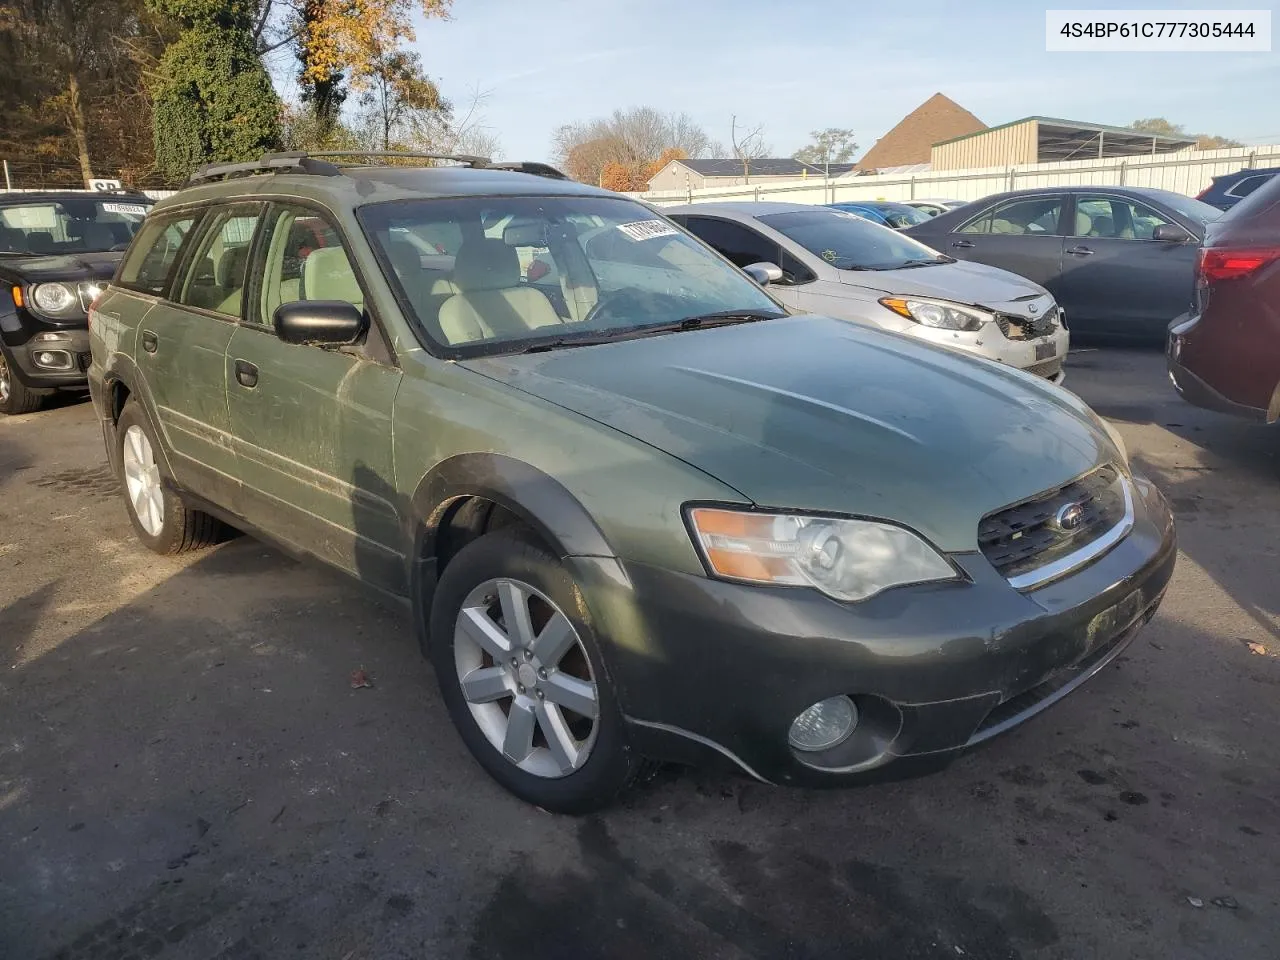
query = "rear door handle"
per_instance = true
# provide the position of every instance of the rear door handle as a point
(150, 342)
(1080, 252)
(246, 373)
(963, 244)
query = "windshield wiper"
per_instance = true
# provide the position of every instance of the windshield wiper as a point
(703, 321)
(718, 319)
(926, 262)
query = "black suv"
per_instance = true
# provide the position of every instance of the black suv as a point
(57, 252)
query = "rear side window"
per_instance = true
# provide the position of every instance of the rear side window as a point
(1248, 185)
(1020, 217)
(153, 255)
(215, 279)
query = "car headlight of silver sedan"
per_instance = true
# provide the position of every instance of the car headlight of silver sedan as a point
(57, 299)
(846, 559)
(942, 314)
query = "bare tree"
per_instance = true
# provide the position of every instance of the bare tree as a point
(633, 138)
(747, 146)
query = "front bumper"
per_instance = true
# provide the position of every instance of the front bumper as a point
(706, 668)
(59, 361)
(990, 343)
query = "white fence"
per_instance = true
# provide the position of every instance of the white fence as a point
(1187, 172)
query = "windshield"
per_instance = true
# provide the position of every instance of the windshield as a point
(900, 215)
(89, 224)
(850, 243)
(1188, 207)
(516, 273)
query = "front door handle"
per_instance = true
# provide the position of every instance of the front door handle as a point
(150, 342)
(247, 374)
(1080, 252)
(963, 244)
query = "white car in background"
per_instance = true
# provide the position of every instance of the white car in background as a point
(820, 260)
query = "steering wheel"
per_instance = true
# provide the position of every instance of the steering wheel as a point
(629, 303)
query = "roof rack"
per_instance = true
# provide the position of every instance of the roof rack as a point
(312, 163)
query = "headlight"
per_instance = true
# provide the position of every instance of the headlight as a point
(937, 313)
(54, 298)
(845, 559)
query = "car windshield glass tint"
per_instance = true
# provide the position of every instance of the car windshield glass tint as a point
(1195, 210)
(849, 242)
(499, 274)
(88, 224)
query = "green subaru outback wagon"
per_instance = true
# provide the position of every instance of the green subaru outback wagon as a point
(637, 509)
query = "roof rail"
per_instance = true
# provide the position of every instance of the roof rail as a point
(534, 167)
(312, 163)
(267, 163)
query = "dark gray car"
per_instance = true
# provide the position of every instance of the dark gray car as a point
(1119, 260)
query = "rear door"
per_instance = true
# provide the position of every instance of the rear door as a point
(1023, 235)
(745, 246)
(1117, 280)
(312, 425)
(182, 346)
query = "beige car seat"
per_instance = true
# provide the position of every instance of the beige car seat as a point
(327, 275)
(491, 301)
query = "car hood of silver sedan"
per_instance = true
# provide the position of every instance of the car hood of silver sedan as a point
(817, 414)
(961, 282)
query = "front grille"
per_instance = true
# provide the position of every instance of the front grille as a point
(1029, 535)
(1046, 369)
(1027, 328)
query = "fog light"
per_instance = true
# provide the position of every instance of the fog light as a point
(45, 359)
(824, 725)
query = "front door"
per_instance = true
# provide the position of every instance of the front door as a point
(1022, 235)
(182, 347)
(1116, 279)
(312, 425)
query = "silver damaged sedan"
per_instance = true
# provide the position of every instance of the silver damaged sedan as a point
(820, 260)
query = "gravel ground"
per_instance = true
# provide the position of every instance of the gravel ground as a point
(186, 772)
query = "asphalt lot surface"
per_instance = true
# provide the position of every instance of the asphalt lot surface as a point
(187, 772)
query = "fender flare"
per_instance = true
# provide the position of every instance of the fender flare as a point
(121, 369)
(542, 502)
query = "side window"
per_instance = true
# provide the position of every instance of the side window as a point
(744, 247)
(1116, 219)
(152, 256)
(216, 275)
(1019, 217)
(1247, 186)
(305, 260)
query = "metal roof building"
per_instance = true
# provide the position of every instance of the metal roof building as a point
(1046, 139)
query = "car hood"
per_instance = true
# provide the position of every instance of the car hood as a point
(76, 266)
(961, 281)
(816, 414)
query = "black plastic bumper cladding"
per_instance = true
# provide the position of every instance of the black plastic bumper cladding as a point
(706, 668)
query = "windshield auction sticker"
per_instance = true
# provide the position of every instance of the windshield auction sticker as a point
(647, 229)
(136, 209)
(1158, 31)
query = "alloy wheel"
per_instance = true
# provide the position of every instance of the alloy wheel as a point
(142, 480)
(4, 380)
(526, 678)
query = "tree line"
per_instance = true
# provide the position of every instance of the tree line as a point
(147, 90)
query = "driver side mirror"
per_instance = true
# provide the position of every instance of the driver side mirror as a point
(763, 273)
(1170, 233)
(319, 322)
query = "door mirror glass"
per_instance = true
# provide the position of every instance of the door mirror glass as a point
(319, 322)
(1170, 232)
(763, 273)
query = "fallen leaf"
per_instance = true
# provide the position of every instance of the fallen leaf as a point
(1256, 648)
(360, 679)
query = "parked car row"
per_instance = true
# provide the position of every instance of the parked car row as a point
(637, 507)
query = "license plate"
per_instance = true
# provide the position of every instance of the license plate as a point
(1046, 350)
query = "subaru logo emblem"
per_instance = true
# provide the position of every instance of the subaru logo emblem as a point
(1069, 517)
(1031, 309)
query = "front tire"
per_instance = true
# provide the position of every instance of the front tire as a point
(522, 676)
(160, 519)
(15, 396)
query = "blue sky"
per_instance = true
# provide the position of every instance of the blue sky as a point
(798, 66)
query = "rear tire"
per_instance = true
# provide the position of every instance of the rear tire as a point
(521, 673)
(15, 396)
(160, 519)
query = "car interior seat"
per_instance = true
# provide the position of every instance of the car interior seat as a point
(229, 276)
(91, 234)
(40, 241)
(327, 275)
(1084, 224)
(1102, 227)
(491, 301)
